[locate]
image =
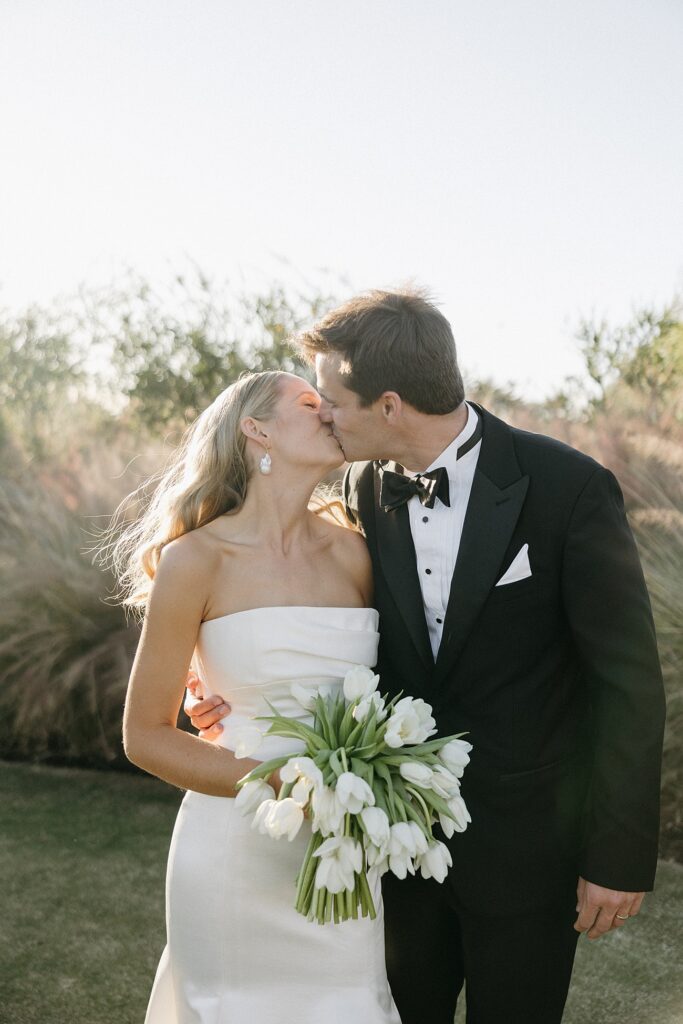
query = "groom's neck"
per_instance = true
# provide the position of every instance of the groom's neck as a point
(423, 438)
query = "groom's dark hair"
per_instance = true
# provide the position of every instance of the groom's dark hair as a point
(391, 341)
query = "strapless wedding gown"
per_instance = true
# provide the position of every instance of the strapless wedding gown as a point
(237, 951)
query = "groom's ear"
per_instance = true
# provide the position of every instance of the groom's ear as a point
(391, 406)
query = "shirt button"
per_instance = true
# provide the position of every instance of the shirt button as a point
(439, 621)
(428, 571)
(425, 519)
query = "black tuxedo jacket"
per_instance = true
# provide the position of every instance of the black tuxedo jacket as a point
(555, 678)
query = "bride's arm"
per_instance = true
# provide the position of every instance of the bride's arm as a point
(157, 682)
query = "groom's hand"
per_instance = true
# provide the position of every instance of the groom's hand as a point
(204, 713)
(600, 910)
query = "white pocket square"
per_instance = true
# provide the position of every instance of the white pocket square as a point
(519, 568)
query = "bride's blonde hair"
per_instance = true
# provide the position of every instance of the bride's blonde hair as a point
(206, 477)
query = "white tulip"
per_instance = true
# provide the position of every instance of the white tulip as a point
(243, 740)
(359, 683)
(303, 696)
(401, 837)
(445, 782)
(365, 706)
(252, 794)
(306, 695)
(418, 774)
(301, 791)
(376, 824)
(401, 849)
(376, 857)
(459, 813)
(285, 818)
(305, 773)
(328, 813)
(400, 864)
(419, 838)
(262, 812)
(410, 722)
(353, 793)
(435, 861)
(456, 756)
(340, 858)
(447, 825)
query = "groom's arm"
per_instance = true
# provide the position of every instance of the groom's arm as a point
(204, 713)
(609, 614)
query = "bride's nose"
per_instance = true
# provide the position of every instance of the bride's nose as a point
(325, 412)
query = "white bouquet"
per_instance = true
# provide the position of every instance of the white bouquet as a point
(373, 785)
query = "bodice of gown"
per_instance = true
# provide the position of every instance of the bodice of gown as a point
(252, 658)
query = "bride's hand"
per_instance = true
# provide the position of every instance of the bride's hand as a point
(204, 713)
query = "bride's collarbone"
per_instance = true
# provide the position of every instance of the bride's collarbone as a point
(256, 578)
(250, 574)
(236, 540)
(242, 551)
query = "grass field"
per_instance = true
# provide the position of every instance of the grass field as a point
(82, 858)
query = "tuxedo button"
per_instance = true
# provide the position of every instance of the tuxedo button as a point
(439, 621)
(425, 519)
(428, 571)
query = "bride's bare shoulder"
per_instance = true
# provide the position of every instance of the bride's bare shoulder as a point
(351, 554)
(190, 554)
(183, 580)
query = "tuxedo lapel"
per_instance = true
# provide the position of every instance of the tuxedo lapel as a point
(399, 566)
(496, 499)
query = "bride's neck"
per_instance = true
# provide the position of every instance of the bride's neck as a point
(275, 512)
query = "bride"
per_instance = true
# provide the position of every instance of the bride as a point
(237, 575)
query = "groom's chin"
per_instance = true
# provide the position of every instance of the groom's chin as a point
(355, 453)
(355, 456)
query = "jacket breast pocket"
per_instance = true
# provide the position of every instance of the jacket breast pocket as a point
(513, 591)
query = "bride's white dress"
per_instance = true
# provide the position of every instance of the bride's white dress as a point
(237, 952)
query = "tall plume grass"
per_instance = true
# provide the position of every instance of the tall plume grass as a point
(654, 485)
(65, 653)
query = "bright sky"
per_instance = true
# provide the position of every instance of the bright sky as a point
(522, 158)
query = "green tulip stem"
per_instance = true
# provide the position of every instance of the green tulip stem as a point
(366, 896)
(349, 903)
(425, 810)
(306, 878)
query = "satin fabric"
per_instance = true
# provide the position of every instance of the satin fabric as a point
(237, 951)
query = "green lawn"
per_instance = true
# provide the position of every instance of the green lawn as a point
(82, 858)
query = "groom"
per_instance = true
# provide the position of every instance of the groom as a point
(511, 598)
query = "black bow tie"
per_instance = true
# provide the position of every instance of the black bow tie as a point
(397, 488)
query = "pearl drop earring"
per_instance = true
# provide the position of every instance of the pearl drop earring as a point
(265, 464)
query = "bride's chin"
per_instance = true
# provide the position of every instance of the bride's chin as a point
(337, 457)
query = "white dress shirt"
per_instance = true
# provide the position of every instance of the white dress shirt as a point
(437, 531)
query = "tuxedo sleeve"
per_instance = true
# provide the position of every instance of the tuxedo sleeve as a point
(609, 613)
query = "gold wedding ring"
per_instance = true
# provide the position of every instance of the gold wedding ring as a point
(622, 917)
